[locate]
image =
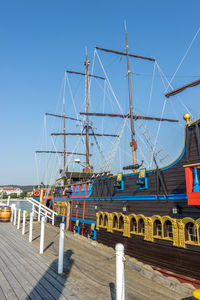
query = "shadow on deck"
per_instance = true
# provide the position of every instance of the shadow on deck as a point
(52, 282)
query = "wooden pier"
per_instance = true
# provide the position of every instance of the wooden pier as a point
(88, 273)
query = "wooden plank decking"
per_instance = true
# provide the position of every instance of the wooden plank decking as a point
(24, 274)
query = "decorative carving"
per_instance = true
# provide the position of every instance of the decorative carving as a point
(110, 223)
(175, 232)
(126, 226)
(149, 230)
(178, 226)
(181, 229)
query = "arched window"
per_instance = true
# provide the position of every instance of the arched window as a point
(191, 232)
(105, 223)
(121, 222)
(157, 228)
(168, 231)
(133, 225)
(141, 226)
(101, 220)
(115, 222)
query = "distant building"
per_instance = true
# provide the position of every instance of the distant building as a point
(10, 190)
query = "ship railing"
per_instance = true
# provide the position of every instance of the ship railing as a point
(41, 210)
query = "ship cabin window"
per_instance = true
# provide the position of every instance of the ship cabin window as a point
(76, 190)
(82, 189)
(89, 188)
(101, 220)
(168, 231)
(115, 222)
(105, 223)
(121, 222)
(133, 225)
(191, 233)
(157, 228)
(141, 226)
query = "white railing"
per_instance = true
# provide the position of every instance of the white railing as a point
(42, 210)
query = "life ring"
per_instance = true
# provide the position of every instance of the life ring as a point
(36, 193)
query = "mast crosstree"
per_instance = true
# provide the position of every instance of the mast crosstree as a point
(132, 117)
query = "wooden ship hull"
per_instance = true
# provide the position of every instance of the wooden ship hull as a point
(154, 213)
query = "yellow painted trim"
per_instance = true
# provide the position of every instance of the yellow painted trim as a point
(191, 165)
(187, 220)
(192, 123)
(167, 239)
(178, 227)
(196, 294)
(41, 195)
(191, 243)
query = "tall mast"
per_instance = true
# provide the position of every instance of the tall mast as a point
(133, 143)
(87, 118)
(64, 129)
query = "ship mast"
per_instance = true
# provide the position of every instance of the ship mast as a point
(64, 130)
(133, 143)
(88, 167)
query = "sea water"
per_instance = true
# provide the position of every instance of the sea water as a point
(23, 204)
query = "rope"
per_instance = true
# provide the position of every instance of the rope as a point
(37, 171)
(184, 56)
(71, 94)
(179, 98)
(158, 130)
(109, 160)
(151, 91)
(108, 81)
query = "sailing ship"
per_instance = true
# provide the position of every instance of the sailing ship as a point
(154, 212)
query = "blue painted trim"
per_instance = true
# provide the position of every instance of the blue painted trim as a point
(122, 185)
(135, 198)
(83, 221)
(61, 216)
(161, 169)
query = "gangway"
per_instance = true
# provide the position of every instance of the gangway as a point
(42, 210)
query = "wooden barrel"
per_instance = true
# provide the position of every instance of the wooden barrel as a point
(5, 214)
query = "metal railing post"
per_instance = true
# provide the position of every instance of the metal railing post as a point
(19, 217)
(24, 220)
(120, 284)
(46, 216)
(15, 215)
(31, 228)
(61, 249)
(39, 213)
(8, 201)
(13, 206)
(42, 236)
(33, 209)
(41, 210)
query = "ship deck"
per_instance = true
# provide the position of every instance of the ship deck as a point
(88, 272)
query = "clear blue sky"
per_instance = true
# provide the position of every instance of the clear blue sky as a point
(40, 38)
